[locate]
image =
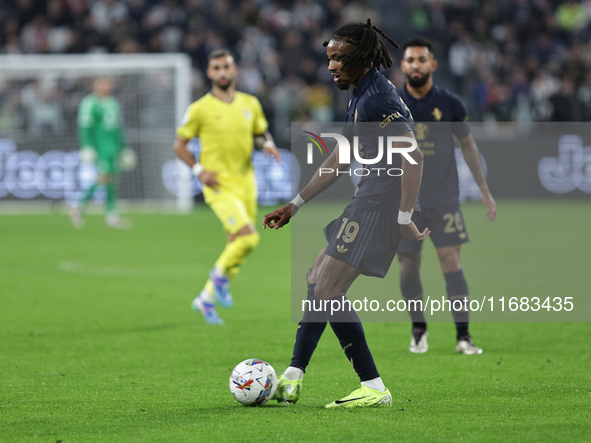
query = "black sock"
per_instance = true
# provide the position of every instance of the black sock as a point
(457, 289)
(310, 329)
(412, 289)
(346, 325)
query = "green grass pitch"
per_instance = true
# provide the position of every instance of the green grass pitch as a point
(98, 341)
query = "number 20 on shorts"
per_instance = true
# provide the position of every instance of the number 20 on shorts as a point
(453, 223)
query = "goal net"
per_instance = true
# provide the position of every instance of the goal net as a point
(39, 146)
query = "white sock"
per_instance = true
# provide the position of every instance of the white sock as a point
(218, 272)
(376, 384)
(292, 373)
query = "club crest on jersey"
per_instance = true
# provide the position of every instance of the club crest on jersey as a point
(437, 114)
(246, 113)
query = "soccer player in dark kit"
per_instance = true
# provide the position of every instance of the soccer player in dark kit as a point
(373, 223)
(439, 196)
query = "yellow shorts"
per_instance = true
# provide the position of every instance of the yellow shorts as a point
(234, 205)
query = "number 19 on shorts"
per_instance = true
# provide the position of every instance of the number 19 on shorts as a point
(349, 230)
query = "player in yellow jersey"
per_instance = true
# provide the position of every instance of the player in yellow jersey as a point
(228, 123)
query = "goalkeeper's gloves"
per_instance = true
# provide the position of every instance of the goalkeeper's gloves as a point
(127, 159)
(87, 155)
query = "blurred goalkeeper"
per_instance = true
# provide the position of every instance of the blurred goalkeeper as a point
(101, 138)
(228, 123)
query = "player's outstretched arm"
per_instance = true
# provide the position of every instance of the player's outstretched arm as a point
(325, 176)
(472, 157)
(206, 177)
(411, 183)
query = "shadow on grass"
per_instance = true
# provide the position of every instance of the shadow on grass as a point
(118, 331)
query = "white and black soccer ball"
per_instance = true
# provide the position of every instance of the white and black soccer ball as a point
(253, 382)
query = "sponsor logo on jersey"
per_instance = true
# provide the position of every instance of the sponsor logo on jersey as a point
(389, 118)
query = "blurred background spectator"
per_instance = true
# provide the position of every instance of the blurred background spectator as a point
(525, 60)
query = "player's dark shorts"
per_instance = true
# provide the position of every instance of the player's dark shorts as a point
(447, 228)
(364, 239)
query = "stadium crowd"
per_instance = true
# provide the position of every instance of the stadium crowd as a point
(510, 60)
(515, 60)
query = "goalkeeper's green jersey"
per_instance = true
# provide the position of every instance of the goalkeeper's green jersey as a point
(99, 125)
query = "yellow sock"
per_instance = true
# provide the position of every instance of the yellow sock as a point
(230, 273)
(208, 292)
(235, 254)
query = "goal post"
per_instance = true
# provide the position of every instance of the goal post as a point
(39, 98)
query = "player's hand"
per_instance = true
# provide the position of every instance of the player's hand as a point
(88, 155)
(127, 159)
(208, 178)
(272, 150)
(411, 233)
(279, 217)
(491, 204)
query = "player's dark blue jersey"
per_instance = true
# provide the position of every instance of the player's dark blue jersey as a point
(440, 186)
(376, 100)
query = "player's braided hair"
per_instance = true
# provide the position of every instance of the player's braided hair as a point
(370, 49)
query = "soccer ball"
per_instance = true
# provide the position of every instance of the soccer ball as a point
(253, 382)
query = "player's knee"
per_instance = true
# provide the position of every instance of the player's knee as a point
(450, 266)
(409, 265)
(327, 287)
(449, 259)
(249, 241)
